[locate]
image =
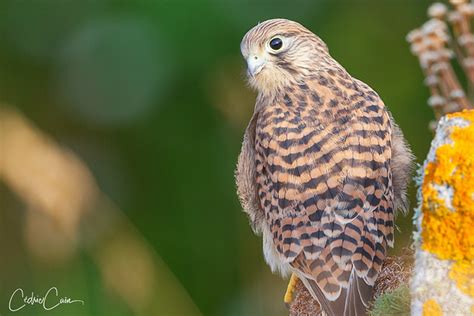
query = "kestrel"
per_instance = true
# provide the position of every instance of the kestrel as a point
(322, 169)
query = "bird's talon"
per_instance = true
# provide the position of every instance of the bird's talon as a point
(290, 289)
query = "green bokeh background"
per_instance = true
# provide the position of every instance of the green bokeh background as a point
(151, 96)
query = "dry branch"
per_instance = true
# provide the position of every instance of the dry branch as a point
(435, 47)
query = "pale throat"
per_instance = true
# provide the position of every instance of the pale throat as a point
(271, 83)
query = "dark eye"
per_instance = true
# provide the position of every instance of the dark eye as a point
(276, 43)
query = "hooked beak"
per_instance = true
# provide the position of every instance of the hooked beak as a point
(255, 64)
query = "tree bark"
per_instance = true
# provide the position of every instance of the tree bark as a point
(443, 276)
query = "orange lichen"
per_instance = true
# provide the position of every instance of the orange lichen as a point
(447, 229)
(431, 308)
(462, 273)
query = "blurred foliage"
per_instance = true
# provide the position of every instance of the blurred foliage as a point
(396, 302)
(151, 96)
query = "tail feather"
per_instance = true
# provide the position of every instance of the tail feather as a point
(331, 308)
(352, 301)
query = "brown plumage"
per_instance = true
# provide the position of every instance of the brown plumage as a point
(322, 169)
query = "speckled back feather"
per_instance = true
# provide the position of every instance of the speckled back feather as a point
(324, 178)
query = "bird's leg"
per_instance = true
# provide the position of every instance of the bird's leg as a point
(290, 289)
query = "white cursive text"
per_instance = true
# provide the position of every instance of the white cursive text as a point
(18, 300)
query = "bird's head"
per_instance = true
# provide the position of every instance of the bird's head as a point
(280, 53)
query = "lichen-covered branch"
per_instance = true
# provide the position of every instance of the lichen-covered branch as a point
(443, 277)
